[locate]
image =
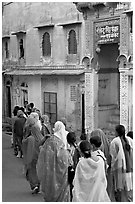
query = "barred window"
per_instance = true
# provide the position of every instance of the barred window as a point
(50, 106)
(46, 45)
(72, 42)
(73, 93)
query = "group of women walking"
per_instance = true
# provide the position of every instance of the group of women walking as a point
(63, 170)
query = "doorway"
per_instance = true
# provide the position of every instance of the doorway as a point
(109, 82)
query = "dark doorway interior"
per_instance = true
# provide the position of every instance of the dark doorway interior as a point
(109, 82)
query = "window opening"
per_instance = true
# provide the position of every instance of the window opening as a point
(72, 42)
(73, 93)
(6, 50)
(24, 92)
(46, 44)
(50, 106)
(131, 23)
(21, 48)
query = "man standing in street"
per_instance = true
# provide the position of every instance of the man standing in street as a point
(18, 130)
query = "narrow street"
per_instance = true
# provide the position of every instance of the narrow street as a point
(15, 187)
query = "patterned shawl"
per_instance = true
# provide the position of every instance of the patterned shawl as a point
(90, 181)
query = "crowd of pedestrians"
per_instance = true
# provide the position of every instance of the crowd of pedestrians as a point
(64, 170)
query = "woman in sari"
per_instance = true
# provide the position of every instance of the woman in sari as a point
(121, 150)
(35, 116)
(46, 127)
(105, 149)
(90, 180)
(31, 144)
(52, 166)
(105, 144)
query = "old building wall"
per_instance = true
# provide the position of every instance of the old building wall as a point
(67, 103)
(34, 93)
(34, 90)
(23, 16)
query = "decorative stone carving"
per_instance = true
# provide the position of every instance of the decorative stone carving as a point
(123, 99)
(124, 34)
(88, 37)
(90, 103)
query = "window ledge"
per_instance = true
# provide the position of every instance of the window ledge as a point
(70, 23)
(44, 26)
(18, 32)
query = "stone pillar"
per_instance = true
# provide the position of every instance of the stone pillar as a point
(123, 69)
(91, 105)
(124, 97)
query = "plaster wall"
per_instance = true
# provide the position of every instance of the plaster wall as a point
(24, 16)
(34, 93)
(108, 89)
(65, 107)
(32, 47)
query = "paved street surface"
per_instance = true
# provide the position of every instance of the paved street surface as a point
(15, 187)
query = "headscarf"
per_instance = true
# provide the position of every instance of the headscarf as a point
(45, 121)
(89, 184)
(31, 144)
(105, 144)
(60, 132)
(36, 134)
(35, 116)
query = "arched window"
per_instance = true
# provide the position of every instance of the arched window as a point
(6, 50)
(46, 45)
(72, 43)
(21, 48)
(24, 93)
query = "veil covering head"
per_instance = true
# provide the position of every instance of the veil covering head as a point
(105, 144)
(60, 132)
(46, 122)
(45, 119)
(35, 116)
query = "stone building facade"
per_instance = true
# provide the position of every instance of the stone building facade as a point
(109, 49)
(59, 59)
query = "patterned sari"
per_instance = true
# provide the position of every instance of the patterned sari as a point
(30, 155)
(52, 168)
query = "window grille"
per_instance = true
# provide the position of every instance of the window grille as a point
(73, 94)
(72, 42)
(46, 44)
(50, 106)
